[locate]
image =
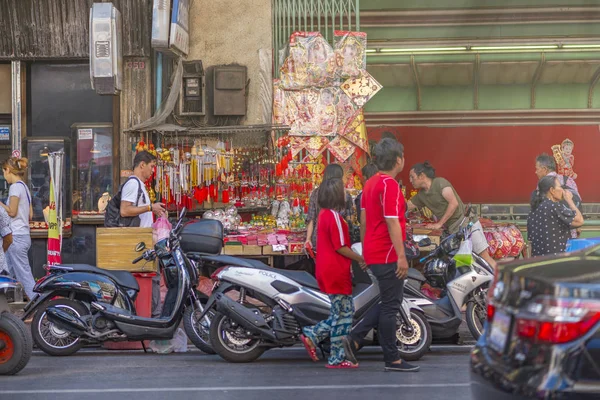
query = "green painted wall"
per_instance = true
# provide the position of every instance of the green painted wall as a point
(509, 97)
(434, 98)
(393, 99)
(437, 4)
(504, 97)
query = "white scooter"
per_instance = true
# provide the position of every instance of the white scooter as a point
(259, 307)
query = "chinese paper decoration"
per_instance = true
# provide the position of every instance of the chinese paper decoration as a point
(316, 145)
(565, 160)
(350, 48)
(320, 95)
(341, 148)
(356, 132)
(311, 62)
(361, 89)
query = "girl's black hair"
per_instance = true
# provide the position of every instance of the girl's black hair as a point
(544, 186)
(333, 171)
(331, 194)
(424, 168)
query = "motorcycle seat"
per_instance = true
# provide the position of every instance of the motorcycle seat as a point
(416, 275)
(235, 261)
(301, 277)
(123, 278)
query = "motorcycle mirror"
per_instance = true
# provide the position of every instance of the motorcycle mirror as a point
(424, 242)
(141, 246)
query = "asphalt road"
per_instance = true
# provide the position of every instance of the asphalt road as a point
(278, 374)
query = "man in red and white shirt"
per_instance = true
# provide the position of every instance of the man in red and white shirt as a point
(383, 231)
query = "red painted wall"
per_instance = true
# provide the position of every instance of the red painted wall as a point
(496, 164)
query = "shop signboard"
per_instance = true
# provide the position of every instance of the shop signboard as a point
(179, 37)
(4, 133)
(161, 16)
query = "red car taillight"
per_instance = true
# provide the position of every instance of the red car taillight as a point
(557, 321)
(491, 308)
(215, 274)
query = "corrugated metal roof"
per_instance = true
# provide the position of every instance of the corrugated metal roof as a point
(38, 29)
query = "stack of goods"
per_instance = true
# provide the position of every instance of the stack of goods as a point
(321, 94)
(228, 217)
(504, 240)
(188, 174)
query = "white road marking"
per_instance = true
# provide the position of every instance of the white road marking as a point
(465, 347)
(233, 388)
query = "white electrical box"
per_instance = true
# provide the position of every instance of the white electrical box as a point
(106, 54)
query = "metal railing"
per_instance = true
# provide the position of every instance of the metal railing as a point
(323, 16)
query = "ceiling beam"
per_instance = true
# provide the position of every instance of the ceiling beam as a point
(476, 67)
(593, 83)
(415, 75)
(486, 16)
(536, 78)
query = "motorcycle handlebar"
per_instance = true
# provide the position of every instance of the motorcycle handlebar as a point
(148, 255)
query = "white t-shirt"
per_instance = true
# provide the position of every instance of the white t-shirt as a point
(20, 222)
(130, 193)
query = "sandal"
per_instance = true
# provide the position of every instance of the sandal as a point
(343, 365)
(310, 347)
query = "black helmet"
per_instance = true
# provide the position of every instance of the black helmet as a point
(437, 272)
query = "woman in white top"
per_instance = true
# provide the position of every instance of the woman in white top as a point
(20, 211)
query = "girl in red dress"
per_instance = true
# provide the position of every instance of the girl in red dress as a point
(334, 275)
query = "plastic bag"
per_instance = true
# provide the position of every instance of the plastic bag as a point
(161, 229)
(178, 344)
(464, 256)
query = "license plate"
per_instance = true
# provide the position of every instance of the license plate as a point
(499, 331)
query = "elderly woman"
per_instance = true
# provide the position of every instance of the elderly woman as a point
(550, 222)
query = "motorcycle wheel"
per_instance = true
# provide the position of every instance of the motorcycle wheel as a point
(198, 331)
(51, 339)
(413, 346)
(228, 341)
(475, 319)
(15, 344)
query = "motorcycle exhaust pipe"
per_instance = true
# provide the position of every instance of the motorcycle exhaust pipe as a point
(252, 321)
(66, 321)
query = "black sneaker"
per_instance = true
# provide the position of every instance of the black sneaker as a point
(401, 367)
(348, 345)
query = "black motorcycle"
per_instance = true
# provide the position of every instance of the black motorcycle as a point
(82, 303)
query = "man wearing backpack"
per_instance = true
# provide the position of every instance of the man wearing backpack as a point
(131, 206)
(544, 166)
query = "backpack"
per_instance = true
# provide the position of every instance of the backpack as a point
(112, 215)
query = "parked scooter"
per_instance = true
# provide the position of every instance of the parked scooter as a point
(461, 285)
(83, 303)
(15, 339)
(259, 307)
